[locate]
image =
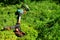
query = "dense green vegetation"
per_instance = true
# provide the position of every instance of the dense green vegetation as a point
(42, 22)
(25, 1)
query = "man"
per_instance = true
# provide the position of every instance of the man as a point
(17, 28)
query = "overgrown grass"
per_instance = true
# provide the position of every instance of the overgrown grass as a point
(34, 23)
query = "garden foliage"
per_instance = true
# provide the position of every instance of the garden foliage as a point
(42, 22)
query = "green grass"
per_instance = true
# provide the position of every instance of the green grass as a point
(33, 22)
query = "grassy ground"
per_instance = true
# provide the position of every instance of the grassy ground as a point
(33, 22)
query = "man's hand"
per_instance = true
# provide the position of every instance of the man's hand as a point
(25, 11)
